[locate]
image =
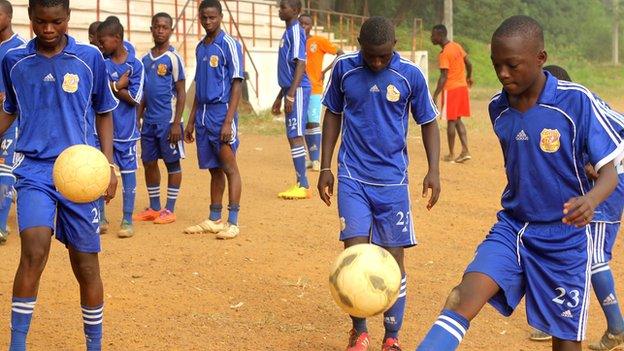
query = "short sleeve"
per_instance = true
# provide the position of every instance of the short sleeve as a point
(299, 43)
(423, 108)
(177, 67)
(327, 47)
(334, 96)
(602, 133)
(137, 79)
(443, 60)
(10, 100)
(234, 58)
(103, 98)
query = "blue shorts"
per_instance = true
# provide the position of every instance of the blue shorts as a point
(314, 110)
(547, 262)
(603, 236)
(125, 156)
(40, 205)
(155, 143)
(208, 122)
(298, 118)
(381, 213)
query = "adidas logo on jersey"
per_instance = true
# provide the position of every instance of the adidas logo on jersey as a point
(567, 314)
(115, 75)
(205, 58)
(49, 78)
(374, 89)
(522, 136)
(609, 300)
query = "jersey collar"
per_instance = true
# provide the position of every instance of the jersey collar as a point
(69, 48)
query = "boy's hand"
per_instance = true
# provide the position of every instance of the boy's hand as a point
(326, 186)
(226, 132)
(188, 133)
(431, 181)
(277, 106)
(579, 211)
(112, 187)
(123, 81)
(175, 134)
(591, 172)
(288, 105)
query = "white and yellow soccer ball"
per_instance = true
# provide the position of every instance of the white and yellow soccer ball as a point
(365, 280)
(81, 173)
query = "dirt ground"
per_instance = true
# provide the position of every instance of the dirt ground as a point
(267, 289)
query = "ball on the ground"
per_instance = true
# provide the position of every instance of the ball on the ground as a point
(365, 280)
(81, 173)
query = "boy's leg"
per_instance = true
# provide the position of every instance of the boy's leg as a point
(313, 131)
(295, 122)
(217, 189)
(227, 157)
(171, 153)
(463, 138)
(450, 136)
(150, 152)
(7, 179)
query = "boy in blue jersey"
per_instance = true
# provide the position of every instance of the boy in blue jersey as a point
(125, 73)
(62, 90)
(295, 91)
(368, 99)
(94, 40)
(604, 228)
(541, 245)
(8, 40)
(218, 79)
(161, 112)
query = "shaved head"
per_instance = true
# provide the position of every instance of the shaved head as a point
(521, 27)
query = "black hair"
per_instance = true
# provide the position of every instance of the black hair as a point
(377, 31)
(111, 26)
(559, 72)
(6, 5)
(93, 27)
(162, 15)
(48, 3)
(295, 4)
(440, 28)
(215, 4)
(521, 26)
(305, 15)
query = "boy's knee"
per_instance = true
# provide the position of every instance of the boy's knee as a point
(87, 272)
(34, 258)
(173, 167)
(454, 300)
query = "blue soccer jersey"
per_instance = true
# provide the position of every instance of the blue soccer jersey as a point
(130, 48)
(218, 64)
(57, 97)
(544, 146)
(124, 116)
(13, 42)
(375, 109)
(161, 75)
(292, 49)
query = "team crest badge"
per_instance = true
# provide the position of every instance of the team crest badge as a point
(70, 82)
(392, 93)
(162, 69)
(214, 61)
(550, 140)
(314, 47)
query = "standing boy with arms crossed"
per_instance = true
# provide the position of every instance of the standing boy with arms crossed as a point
(295, 91)
(125, 73)
(9, 40)
(368, 98)
(62, 90)
(218, 89)
(316, 48)
(541, 245)
(161, 131)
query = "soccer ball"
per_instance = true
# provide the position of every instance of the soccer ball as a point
(365, 280)
(81, 173)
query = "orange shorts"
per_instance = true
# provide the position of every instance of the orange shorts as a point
(455, 103)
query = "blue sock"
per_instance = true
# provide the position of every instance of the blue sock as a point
(215, 212)
(233, 213)
(359, 325)
(5, 206)
(604, 287)
(21, 314)
(393, 318)
(446, 333)
(298, 154)
(313, 141)
(92, 321)
(128, 181)
(154, 196)
(172, 196)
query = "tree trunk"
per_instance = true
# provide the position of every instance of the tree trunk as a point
(401, 12)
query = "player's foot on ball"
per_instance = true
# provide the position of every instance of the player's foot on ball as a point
(296, 192)
(538, 335)
(609, 342)
(358, 342)
(230, 231)
(165, 217)
(3, 237)
(147, 215)
(448, 158)
(316, 166)
(391, 344)
(126, 230)
(206, 226)
(462, 158)
(103, 226)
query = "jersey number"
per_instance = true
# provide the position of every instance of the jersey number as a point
(403, 220)
(561, 298)
(6, 143)
(96, 215)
